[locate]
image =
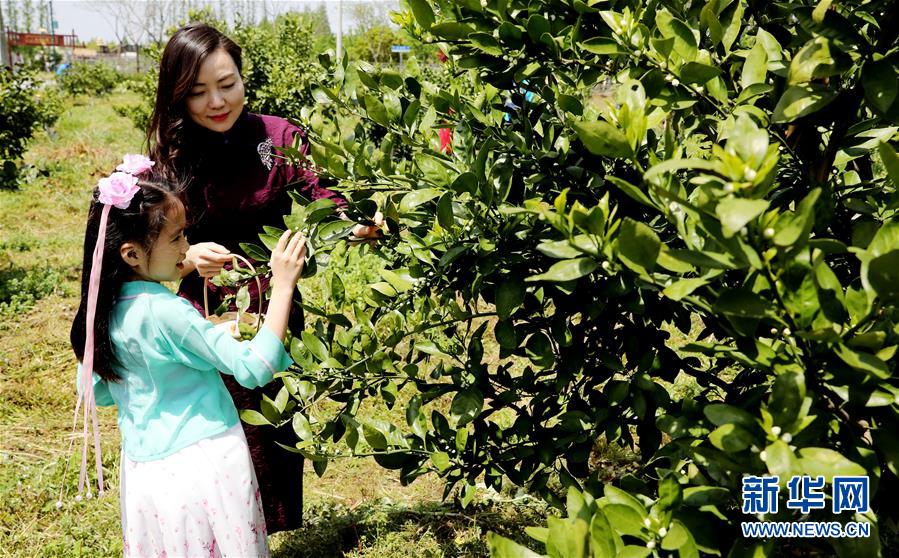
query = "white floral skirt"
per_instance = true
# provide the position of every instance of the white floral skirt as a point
(201, 501)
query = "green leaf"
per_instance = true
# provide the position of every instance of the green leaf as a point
(792, 229)
(501, 547)
(883, 275)
(781, 460)
(821, 10)
(698, 496)
(338, 292)
(242, 299)
(684, 40)
(890, 161)
(566, 537)
(602, 46)
(466, 406)
(638, 245)
(602, 138)
(801, 100)
(445, 211)
(301, 426)
(811, 62)
(451, 30)
(505, 334)
(423, 13)
(566, 270)
(540, 350)
(486, 43)
(399, 283)
(731, 438)
(376, 110)
(441, 460)
(720, 414)
(864, 362)
(624, 519)
(416, 198)
(255, 418)
(670, 493)
(695, 72)
(886, 442)
(509, 296)
(676, 536)
(881, 84)
(315, 346)
(672, 165)
(683, 287)
(828, 463)
(741, 303)
(735, 213)
(602, 536)
(755, 68)
(786, 398)
(558, 249)
(633, 551)
(373, 435)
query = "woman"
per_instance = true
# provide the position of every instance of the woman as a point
(201, 133)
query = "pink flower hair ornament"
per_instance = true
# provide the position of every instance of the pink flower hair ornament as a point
(116, 190)
(135, 164)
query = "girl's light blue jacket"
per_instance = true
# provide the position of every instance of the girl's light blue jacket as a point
(170, 394)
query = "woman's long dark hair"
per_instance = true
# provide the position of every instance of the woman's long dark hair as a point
(169, 124)
(141, 223)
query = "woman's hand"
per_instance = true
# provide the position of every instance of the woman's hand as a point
(207, 258)
(371, 232)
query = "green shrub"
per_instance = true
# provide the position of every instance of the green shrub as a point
(89, 78)
(707, 169)
(278, 64)
(25, 106)
(21, 288)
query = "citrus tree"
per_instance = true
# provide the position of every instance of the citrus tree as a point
(668, 226)
(26, 106)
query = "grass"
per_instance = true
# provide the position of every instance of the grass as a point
(357, 509)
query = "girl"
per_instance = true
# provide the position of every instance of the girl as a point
(201, 132)
(187, 481)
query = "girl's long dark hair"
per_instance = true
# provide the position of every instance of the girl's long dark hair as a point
(167, 136)
(141, 223)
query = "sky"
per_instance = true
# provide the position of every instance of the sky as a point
(90, 20)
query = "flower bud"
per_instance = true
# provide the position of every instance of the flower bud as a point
(768, 233)
(775, 430)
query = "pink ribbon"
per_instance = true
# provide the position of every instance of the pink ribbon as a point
(89, 409)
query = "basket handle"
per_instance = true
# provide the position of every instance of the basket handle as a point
(258, 290)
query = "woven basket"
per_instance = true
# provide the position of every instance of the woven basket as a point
(228, 320)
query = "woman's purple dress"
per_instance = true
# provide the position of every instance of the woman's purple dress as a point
(238, 185)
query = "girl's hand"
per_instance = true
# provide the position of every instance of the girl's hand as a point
(207, 258)
(287, 260)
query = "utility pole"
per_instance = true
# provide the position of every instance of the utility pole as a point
(52, 30)
(4, 47)
(339, 31)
